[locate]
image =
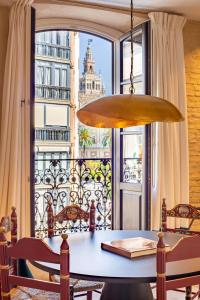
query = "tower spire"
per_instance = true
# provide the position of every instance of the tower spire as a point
(89, 64)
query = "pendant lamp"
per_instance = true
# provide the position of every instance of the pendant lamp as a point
(120, 111)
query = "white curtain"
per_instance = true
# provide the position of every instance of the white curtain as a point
(170, 141)
(15, 118)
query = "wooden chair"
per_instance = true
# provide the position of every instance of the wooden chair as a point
(74, 213)
(70, 213)
(27, 288)
(183, 211)
(10, 226)
(182, 251)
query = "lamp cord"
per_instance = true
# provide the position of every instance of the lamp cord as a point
(132, 89)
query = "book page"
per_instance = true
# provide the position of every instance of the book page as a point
(134, 244)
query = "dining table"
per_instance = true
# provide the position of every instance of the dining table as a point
(124, 278)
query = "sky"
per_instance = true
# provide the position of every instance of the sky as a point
(102, 54)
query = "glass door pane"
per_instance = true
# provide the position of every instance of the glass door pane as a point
(133, 139)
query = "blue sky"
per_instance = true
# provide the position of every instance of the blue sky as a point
(102, 53)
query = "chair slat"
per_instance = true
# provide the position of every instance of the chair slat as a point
(183, 249)
(183, 211)
(33, 249)
(34, 283)
(182, 282)
(70, 213)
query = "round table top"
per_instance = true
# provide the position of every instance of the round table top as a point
(88, 261)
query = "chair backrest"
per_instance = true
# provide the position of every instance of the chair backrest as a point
(183, 211)
(34, 250)
(181, 251)
(70, 213)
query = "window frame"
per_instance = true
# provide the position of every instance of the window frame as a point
(32, 139)
(145, 27)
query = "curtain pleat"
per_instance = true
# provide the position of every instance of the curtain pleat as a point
(170, 141)
(15, 118)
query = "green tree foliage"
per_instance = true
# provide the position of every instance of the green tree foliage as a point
(85, 139)
(107, 138)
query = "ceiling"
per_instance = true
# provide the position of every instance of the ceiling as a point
(189, 8)
(108, 22)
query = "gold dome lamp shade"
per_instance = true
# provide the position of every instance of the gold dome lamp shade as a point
(120, 111)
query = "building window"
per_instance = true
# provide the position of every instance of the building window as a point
(47, 75)
(57, 77)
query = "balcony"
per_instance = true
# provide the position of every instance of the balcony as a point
(77, 181)
(52, 134)
(73, 181)
(56, 51)
(52, 92)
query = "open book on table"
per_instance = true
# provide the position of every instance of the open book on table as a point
(131, 247)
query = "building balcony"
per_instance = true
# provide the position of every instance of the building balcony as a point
(56, 51)
(52, 134)
(77, 181)
(52, 92)
(73, 181)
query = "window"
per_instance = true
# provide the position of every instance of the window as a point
(40, 75)
(47, 38)
(57, 77)
(132, 138)
(134, 141)
(47, 75)
(58, 37)
(54, 35)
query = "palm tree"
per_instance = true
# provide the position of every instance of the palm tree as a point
(85, 139)
(107, 138)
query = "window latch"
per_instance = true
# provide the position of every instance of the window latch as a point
(22, 102)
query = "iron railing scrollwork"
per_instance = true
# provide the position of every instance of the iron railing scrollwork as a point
(73, 181)
(132, 170)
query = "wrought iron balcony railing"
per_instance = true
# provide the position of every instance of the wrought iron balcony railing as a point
(73, 181)
(57, 51)
(132, 170)
(78, 181)
(52, 134)
(52, 92)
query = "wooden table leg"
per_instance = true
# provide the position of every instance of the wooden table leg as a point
(134, 291)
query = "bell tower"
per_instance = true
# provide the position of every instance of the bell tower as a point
(89, 64)
(91, 83)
